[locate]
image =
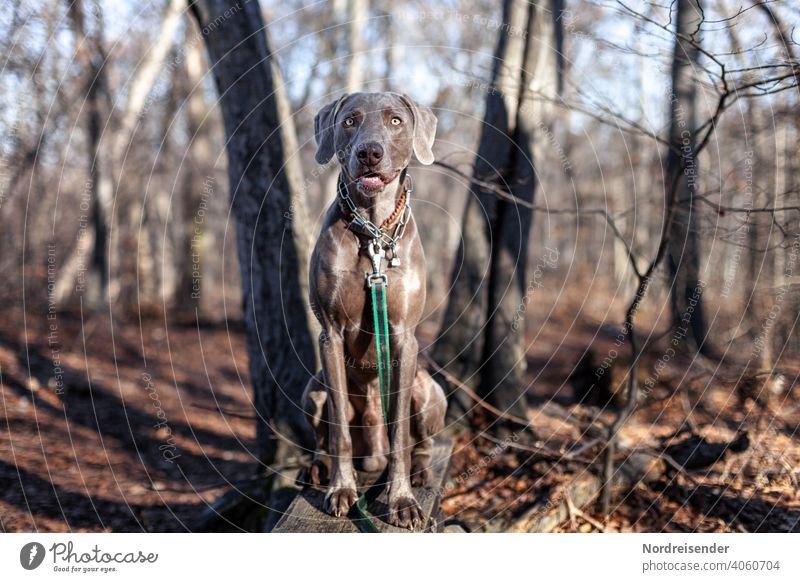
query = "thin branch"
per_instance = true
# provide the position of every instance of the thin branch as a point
(472, 394)
(501, 193)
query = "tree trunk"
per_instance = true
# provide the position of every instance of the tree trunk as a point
(197, 184)
(509, 290)
(269, 211)
(683, 253)
(156, 249)
(353, 14)
(482, 340)
(459, 348)
(357, 14)
(90, 277)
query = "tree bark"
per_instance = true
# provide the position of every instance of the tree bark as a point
(509, 290)
(353, 14)
(197, 182)
(357, 14)
(269, 211)
(89, 279)
(460, 346)
(683, 252)
(482, 340)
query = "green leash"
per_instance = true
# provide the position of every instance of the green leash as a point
(381, 320)
(377, 283)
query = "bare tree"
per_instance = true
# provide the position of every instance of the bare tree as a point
(94, 240)
(357, 14)
(189, 232)
(483, 334)
(270, 220)
(683, 252)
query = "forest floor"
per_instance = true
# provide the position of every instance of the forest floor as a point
(121, 432)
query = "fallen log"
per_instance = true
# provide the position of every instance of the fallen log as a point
(692, 453)
(577, 495)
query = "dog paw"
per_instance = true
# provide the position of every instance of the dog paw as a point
(420, 474)
(405, 512)
(315, 473)
(338, 501)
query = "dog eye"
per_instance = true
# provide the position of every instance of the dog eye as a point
(396, 121)
(349, 122)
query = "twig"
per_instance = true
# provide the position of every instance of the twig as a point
(478, 400)
(585, 447)
(577, 512)
(571, 512)
(593, 427)
(503, 194)
(542, 452)
(667, 459)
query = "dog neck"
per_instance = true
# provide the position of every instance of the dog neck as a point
(378, 208)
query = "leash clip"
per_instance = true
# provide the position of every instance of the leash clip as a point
(376, 253)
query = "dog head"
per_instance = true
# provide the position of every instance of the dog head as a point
(374, 136)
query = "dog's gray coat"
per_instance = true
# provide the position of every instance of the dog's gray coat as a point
(372, 134)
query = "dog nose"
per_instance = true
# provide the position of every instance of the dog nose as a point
(370, 153)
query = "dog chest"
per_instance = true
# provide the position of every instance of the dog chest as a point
(344, 296)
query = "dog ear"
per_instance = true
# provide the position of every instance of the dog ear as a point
(424, 130)
(324, 129)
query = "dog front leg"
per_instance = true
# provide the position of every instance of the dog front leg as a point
(342, 488)
(403, 507)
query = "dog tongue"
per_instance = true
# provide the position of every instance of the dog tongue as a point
(371, 182)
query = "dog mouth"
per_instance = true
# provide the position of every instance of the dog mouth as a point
(375, 181)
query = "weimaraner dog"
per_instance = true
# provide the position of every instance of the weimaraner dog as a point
(373, 136)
